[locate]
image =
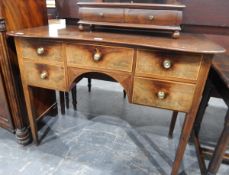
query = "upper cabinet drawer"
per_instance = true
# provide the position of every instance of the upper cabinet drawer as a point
(100, 57)
(153, 17)
(167, 65)
(102, 14)
(41, 50)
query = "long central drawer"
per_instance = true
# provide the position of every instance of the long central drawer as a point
(99, 57)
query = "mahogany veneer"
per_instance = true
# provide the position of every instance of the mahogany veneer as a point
(119, 56)
(160, 17)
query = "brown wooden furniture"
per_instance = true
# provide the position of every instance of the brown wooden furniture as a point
(156, 17)
(152, 70)
(13, 114)
(218, 79)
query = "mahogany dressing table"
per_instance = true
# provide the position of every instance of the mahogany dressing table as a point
(154, 71)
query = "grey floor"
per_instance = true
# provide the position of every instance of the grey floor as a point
(108, 136)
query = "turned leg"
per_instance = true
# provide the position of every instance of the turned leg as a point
(67, 99)
(173, 123)
(220, 148)
(89, 84)
(62, 103)
(74, 97)
(124, 94)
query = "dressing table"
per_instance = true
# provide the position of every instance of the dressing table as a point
(154, 71)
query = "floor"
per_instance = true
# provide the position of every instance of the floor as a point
(107, 136)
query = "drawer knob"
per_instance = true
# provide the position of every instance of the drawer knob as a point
(40, 50)
(101, 14)
(167, 64)
(161, 95)
(97, 55)
(44, 75)
(151, 18)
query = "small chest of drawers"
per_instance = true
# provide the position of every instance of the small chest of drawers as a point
(163, 17)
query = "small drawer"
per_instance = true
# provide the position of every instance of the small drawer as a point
(46, 76)
(163, 94)
(40, 50)
(102, 14)
(167, 65)
(153, 17)
(100, 57)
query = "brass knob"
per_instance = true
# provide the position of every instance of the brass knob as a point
(101, 14)
(81, 28)
(151, 18)
(44, 75)
(161, 95)
(40, 50)
(167, 64)
(97, 55)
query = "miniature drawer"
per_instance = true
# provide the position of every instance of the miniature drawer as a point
(100, 57)
(41, 50)
(102, 14)
(153, 17)
(163, 94)
(46, 76)
(167, 65)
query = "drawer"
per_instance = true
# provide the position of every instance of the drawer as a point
(99, 57)
(101, 14)
(167, 65)
(40, 50)
(163, 94)
(153, 17)
(46, 76)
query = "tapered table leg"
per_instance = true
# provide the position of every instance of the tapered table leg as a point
(220, 149)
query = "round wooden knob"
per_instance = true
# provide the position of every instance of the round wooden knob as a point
(167, 64)
(44, 75)
(40, 50)
(97, 55)
(161, 95)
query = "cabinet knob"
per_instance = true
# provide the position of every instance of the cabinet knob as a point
(151, 18)
(161, 95)
(167, 64)
(97, 55)
(40, 50)
(101, 14)
(43, 75)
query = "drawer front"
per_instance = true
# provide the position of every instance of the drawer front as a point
(100, 57)
(167, 65)
(46, 76)
(102, 14)
(163, 94)
(153, 17)
(40, 50)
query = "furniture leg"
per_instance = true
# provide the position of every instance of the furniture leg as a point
(74, 98)
(62, 103)
(67, 99)
(185, 134)
(31, 112)
(203, 104)
(173, 123)
(220, 148)
(199, 153)
(124, 94)
(89, 84)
